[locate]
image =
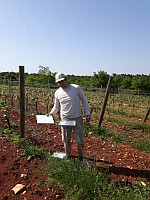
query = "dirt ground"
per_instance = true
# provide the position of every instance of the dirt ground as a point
(122, 162)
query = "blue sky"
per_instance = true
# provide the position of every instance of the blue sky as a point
(77, 37)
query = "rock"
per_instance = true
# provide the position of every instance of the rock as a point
(143, 184)
(18, 188)
(24, 176)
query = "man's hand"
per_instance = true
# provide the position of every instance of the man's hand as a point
(49, 115)
(88, 118)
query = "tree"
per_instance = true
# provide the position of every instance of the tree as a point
(126, 82)
(141, 82)
(99, 79)
(11, 75)
(45, 75)
(43, 70)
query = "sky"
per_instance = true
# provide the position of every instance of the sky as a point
(76, 37)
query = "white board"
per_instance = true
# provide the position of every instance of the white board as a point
(67, 123)
(44, 119)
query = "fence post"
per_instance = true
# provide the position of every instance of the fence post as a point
(22, 101)
(9, 86)
(146, 116)
(105, 100)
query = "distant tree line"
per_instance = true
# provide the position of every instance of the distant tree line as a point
(97, 80)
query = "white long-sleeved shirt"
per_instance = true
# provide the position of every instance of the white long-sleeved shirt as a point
(68, 101)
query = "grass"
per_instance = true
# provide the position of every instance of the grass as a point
(102, 131)
(127, 124)
(75, 180)
(89, 183)
(143, 145)
(120, 138)
(30, 152)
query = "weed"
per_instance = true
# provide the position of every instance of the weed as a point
(127, 124)
(95, 130)
(120, 137)
(15, 138)
(30, 152)
(143, 145)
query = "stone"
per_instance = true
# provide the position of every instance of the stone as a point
(18, 188)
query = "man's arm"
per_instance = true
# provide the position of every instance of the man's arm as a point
(85, 102)
(56, 107)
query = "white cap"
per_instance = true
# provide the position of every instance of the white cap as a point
(59, 77)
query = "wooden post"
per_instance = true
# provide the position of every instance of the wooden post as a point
(146, 116)
(22, 101)
(9, 86)
(105, 100)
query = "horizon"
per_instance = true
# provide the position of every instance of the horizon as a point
(79, 75)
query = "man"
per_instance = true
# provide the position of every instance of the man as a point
(67, 101)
